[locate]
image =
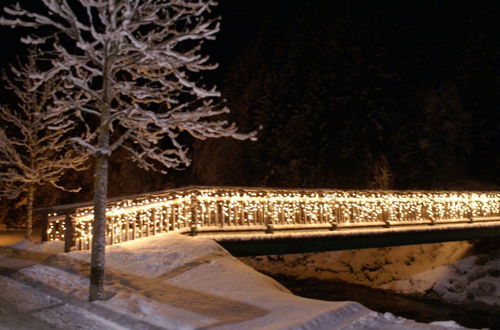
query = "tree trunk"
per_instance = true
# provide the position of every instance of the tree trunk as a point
(99, 229)
(29, 213)
(96, 291)
(3, 212)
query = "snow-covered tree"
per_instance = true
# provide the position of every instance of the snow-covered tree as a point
(132, 72)
(34, 149)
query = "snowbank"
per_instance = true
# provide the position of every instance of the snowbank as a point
(441, 270)
(172, 281)
(472, 279)
(47, 247)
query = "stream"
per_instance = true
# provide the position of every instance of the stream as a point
(415, 308)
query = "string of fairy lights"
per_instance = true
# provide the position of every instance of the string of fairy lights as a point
(257, 209)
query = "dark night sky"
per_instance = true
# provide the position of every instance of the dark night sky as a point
(421, 46)
(240, 23)
(242, 20)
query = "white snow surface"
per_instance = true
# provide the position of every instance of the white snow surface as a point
(445, 271)
(177, 282)
(472, 279)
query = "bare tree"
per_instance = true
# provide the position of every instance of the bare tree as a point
(133, 67)
(34, 149)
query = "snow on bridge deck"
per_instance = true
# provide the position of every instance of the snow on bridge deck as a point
(264, 220)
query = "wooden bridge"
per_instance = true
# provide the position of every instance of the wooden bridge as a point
(256, 221)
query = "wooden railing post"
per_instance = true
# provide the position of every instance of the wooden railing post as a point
(45, 226)
(134, 226)
(470, 215)
(270, 218)
(433, 220)
(69, 232)
(148, 227)
(172, 217)
(153, 220)
(387, 218)
(333, 225)
(111, 227)
(127, 227)
(194, 214)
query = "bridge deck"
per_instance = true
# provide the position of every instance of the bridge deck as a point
(252, 243)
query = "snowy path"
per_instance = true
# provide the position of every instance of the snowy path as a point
(167, 282)
(24, 307)
(158, 289)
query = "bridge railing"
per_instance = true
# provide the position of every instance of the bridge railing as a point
(205, 209)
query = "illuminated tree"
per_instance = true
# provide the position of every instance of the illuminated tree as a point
(131, 70)
(33, 146)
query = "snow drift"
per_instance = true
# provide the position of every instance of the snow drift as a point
(172, 281)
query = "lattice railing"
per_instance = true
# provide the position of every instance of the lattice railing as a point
(257, 209)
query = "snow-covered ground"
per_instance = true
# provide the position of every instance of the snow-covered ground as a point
(474, 279)
(25, 307)
(175, 282)
(442, 270)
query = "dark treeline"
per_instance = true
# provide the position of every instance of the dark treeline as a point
(388, 94)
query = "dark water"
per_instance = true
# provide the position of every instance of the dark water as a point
(414, 308)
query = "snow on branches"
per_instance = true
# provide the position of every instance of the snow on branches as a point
(134, 65)
(33, 145)
(131, 72)
(34, 149)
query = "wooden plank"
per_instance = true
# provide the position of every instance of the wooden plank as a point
(69, 235)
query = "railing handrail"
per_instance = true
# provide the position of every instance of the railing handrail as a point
(71, 207)
(191, 207)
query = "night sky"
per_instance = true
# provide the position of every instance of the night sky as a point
(352, 94)
(242, 21)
